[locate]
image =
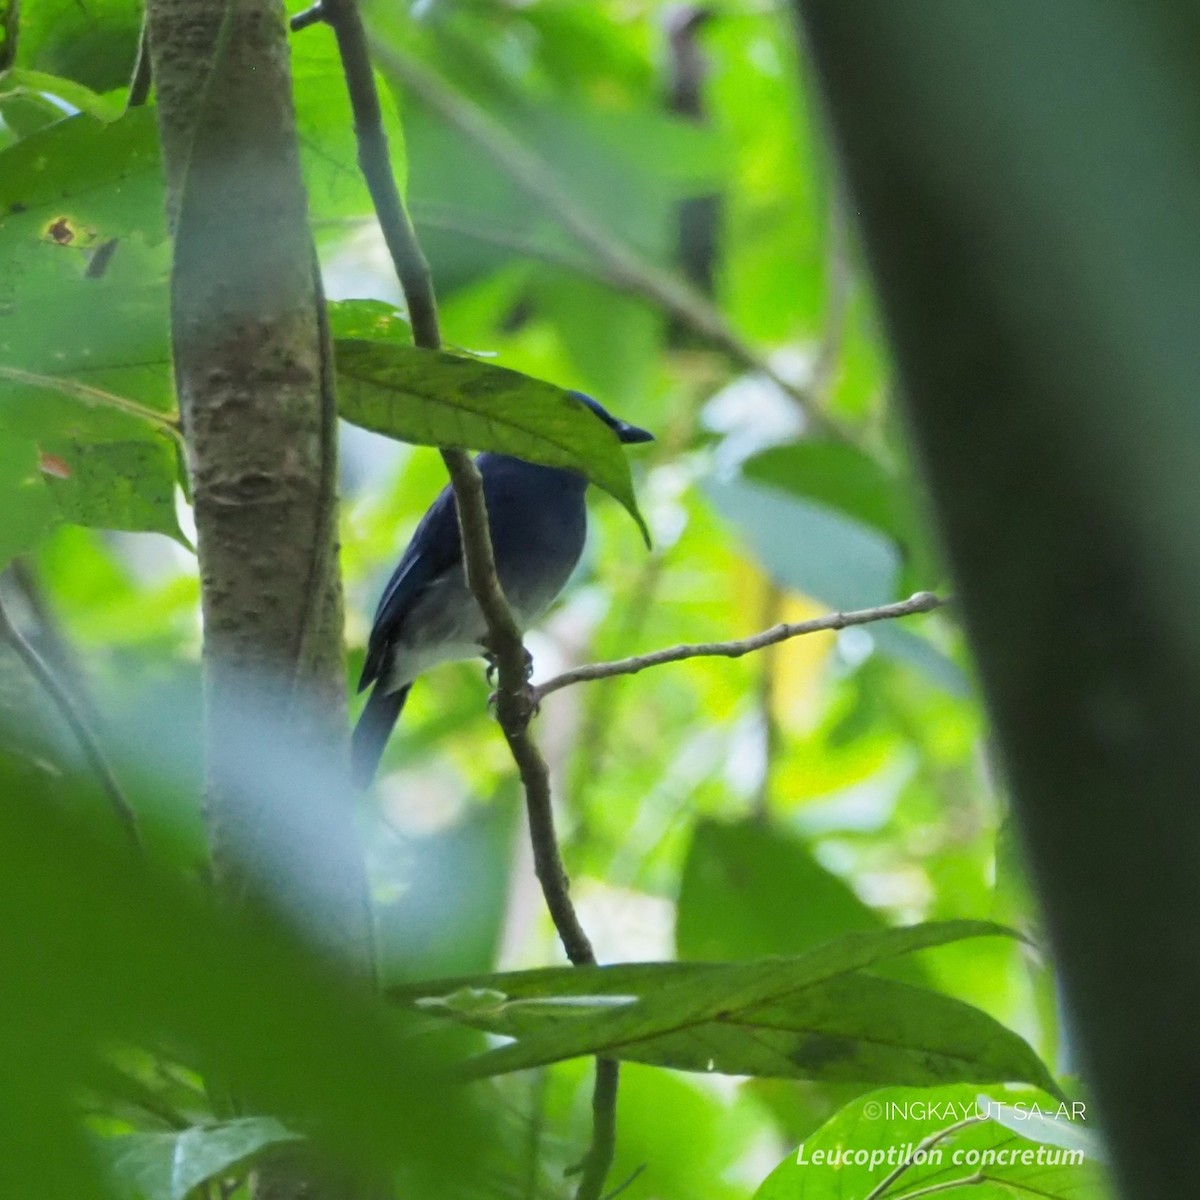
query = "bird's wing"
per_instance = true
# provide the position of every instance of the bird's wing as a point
(434, 549)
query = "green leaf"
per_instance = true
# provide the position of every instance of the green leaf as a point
(170, 1166)
(103, 179)
(811, 1016)
(966, 1152)
(840, 477)
(25, 501)
(437, 399)
(833, 558)
(22, 82)
(117, 485)
(368, 320)
(143, 959)
(750, 890)
(325, 126)
(93, 41)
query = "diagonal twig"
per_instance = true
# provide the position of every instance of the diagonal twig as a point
(62, 699)
(513, 708)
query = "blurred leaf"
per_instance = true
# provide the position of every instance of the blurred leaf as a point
(437, 399)
(893, 1123)
(612, 339)
(92, 41)
(439, 924)
(1042, 1123)
(750, 890)
(368, 320)
(821, 553)
(27, 112)
(104, 950)
(840, 477)
(23, 82)
(170, 1166)
(809, 1016)
(25, 501)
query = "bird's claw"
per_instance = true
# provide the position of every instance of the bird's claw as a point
(530, 703)
(493, 667)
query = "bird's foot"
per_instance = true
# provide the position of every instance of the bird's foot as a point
(493, 667)
(527, 698)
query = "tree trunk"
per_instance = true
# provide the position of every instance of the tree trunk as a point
(252, 370)
(1027, 182)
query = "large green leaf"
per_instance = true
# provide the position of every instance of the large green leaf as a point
(116, 485)
(749, 890)
(822, 553)
(437, 399)
(812, 1016)
(171, 1166)
(84, 344)
(92, 41)
(103, 179)
(968, 1151)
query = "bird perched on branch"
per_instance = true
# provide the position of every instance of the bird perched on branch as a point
(427, 614)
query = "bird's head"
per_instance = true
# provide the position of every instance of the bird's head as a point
(623, 430)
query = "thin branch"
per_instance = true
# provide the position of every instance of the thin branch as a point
(62, 699)
(604, 1131)
(922, 602)
(513, 706)
(621, 262)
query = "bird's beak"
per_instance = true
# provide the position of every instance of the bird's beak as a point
(631, 433)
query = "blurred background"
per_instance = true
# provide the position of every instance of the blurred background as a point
(635, 200)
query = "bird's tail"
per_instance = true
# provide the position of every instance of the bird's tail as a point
(372, 732)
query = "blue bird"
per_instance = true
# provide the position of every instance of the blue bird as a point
(427, 614)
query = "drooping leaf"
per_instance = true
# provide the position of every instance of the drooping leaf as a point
(439, 399)
(811, 1016)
